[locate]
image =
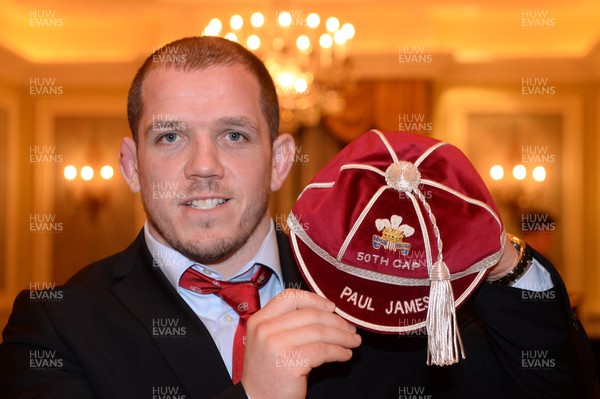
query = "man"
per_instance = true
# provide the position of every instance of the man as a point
(130, 326)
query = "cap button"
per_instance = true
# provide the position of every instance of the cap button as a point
(403, 176)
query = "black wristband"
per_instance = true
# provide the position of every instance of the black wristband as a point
(524, 263)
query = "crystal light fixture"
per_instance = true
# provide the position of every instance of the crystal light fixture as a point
(306, 55)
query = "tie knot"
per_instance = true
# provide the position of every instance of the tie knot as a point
(241, 296)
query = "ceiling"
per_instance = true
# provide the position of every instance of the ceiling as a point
(124, 31)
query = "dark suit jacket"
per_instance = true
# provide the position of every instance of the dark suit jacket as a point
(118, 329)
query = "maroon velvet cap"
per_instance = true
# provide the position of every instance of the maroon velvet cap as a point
(390, 214)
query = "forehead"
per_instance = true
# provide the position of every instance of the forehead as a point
(218, 80)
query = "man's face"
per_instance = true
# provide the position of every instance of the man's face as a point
(204, 162)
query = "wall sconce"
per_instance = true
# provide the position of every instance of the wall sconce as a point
(518, 188)
(87, 188)
(519, 172)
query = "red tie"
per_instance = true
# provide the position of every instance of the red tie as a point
(241, 296)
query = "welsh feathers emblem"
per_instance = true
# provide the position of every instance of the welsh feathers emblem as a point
(393, 233)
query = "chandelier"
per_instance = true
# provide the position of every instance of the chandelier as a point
(306, 56)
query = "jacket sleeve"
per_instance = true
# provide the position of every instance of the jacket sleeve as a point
(34, 362)
(538, 340)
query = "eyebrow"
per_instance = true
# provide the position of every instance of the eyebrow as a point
(236, 121)
(162, 125)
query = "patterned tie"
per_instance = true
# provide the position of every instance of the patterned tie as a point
(241, 296)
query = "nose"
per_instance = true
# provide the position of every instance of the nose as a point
(204, 159)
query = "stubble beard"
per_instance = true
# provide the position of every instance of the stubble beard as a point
(212, 250)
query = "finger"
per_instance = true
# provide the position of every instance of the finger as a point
(311, 356)
(306, 316)
(319, 353)
(318, 333)
(292, 299)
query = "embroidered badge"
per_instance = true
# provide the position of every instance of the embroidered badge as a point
(392, 236)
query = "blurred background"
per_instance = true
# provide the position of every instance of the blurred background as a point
(514, 84)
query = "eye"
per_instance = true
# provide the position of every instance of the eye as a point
(235, 136)
(170, 137)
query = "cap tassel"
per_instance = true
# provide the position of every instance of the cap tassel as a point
(444, 344)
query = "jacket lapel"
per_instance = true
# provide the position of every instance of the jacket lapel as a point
(176, 330)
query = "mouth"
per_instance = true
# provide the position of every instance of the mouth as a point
(208, 203)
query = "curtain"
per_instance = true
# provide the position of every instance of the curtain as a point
(389, 105)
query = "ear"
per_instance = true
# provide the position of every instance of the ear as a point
(283, 159)
(128, 164)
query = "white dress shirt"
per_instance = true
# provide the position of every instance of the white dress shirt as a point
(536, 278)
(220, 320)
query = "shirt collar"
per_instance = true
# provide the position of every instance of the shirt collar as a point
(173, 264)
